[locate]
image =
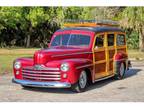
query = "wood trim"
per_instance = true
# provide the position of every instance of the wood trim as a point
(106, 48)
(110, 59)
(93, 51)
(99, 49)
(121, 47)
(99, 79)
(121, 33)
(111, 48)
(107, 53)
(100, 62)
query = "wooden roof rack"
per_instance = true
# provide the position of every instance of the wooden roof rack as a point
(90, 23)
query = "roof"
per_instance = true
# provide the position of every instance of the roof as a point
(94, 29)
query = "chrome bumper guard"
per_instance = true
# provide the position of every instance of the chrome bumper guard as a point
(42, 84)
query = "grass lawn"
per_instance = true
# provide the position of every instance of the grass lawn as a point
(136, 54)
(7, 56)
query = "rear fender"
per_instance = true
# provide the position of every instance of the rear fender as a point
(119, 58)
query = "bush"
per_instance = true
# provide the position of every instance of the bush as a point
(132, 40)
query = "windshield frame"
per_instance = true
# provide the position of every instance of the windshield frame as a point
(85, 33)
(69, 39)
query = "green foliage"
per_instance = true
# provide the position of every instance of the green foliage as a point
(36, 15)
(133, 17)
(133, 40)
(10, 16)
(34, 26)
(18, 24)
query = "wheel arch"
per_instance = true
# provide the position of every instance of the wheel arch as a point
(89, 74)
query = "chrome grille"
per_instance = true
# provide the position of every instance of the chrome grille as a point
(41, 75)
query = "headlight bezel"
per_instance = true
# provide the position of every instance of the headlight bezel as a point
(17, 65)
(64, 67)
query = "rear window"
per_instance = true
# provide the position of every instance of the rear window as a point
(120, 39)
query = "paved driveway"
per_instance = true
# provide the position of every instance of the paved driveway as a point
(129, 89)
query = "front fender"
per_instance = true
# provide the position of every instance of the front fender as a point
(24, 62)
(76, 66)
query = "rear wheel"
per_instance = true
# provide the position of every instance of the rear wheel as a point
(81, 85)
(120, 71)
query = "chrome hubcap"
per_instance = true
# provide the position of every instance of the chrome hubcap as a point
(122, 69)
(83, 79)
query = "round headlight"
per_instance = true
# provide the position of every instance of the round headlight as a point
(17, 65)
(64, 67)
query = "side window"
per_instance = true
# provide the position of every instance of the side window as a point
(99, 41)
(120, 39)
(110, 39)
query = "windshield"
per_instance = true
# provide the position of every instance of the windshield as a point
(71, 40)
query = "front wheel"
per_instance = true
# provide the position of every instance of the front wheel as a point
(81, 85)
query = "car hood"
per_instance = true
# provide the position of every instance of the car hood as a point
(57, 53)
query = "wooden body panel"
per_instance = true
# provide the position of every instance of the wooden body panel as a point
(104, 57)
(99, 62)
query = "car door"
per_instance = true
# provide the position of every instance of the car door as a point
(100, 56)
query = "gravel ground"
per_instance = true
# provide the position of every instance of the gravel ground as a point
(130, 89)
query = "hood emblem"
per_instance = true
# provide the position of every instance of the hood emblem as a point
(38, 67)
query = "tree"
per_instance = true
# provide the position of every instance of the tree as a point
(102, 13)
(9, 19)
(133, 17)
(33, 16)
(26, 20)
(34, 26)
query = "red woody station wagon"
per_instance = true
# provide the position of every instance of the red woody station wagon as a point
(80, 54)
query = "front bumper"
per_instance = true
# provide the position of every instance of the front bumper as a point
(42, 84)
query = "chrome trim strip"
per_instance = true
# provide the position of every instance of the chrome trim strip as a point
(71, 54)
(42, 84)
(41, 75)
(103, 78)
(25, 71)
(53, 69)
(41, 78)
(79, 67)
(43, 68)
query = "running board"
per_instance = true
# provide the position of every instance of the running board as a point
(103, 78)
